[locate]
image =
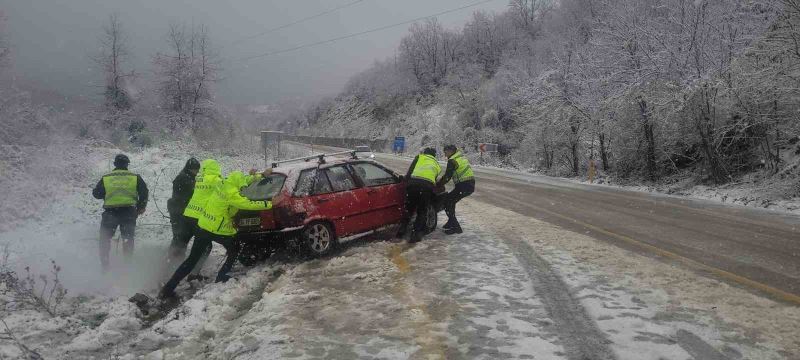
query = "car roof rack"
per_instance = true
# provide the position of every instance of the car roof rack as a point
(320, 158)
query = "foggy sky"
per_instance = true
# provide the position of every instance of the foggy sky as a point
(52, 40)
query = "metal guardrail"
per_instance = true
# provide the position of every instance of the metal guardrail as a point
(380, 145)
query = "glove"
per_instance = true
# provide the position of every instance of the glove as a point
(267, 172)
(252, 172)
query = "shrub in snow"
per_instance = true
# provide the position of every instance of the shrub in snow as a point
(42, 293)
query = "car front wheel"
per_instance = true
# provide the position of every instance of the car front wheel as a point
(318, 239)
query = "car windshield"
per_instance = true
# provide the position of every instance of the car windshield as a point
(265, 189)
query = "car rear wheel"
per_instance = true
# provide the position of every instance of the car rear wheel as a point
(318, 239)
(432, 221)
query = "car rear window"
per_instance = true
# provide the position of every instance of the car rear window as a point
(265, 189)
(312, 179)
(340, 178)
(373, 175)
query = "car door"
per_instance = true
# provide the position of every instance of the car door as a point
(348, 200)
(385, 193)
(336, 201)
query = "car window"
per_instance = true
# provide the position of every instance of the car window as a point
(322, 186)
(265, 189)
(373, 175)
(309, 180)
(340, 178)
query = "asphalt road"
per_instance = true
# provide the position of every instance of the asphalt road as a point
(756, 249)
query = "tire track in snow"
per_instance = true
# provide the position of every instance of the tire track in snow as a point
(582, 339)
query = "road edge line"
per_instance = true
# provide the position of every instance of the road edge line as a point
(777, 293)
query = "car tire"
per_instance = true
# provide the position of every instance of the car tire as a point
(254, 252)
(318, 239)
(433, 220)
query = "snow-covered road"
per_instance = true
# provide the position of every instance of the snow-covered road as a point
(510, 287)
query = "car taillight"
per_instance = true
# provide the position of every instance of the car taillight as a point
(286, 217)
(267, 220)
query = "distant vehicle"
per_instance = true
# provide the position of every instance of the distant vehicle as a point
(319, 202)
(365, 149)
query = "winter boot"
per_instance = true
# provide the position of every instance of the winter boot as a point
(454, 230)
(165, 294)
(450, 223)
(403, 230)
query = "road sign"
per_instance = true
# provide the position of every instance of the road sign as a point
(487, 148)
(399, 145)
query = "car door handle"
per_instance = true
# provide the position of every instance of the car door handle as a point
(323, 200)
(371, 191)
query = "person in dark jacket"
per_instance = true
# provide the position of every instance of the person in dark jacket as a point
(420, 181)
(183, 228)
(460, 171)
(124, 196)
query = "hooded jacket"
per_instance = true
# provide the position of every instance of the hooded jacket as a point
(182, 190)
(208, 181)
(226, 202)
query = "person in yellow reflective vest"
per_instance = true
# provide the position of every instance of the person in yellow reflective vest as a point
(460, 171)
(124, 196)
(420, 182)
(206, 182)
(216, 225)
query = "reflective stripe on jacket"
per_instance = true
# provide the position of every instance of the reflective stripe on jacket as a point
(120, 187)
(225, 203)
(208, 181)
(464, 170)
(427, 168)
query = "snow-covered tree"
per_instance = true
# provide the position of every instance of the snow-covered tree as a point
(187, 73)
(113, 57)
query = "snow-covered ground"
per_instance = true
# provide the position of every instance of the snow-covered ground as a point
(775, 193)
(509, 287)
(649, 308)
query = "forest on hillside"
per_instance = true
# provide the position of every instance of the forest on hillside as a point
(647, 89)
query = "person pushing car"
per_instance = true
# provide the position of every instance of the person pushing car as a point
(124, 196)
(182, 226)
(421, 180)
(206, 182)
(460, 171)
(216, 225)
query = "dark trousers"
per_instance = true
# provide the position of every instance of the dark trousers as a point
(203, 242)
(418, 199)
(183, 229)
(460, 191)
(125, 219)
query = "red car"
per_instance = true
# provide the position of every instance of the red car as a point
(320, 202)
